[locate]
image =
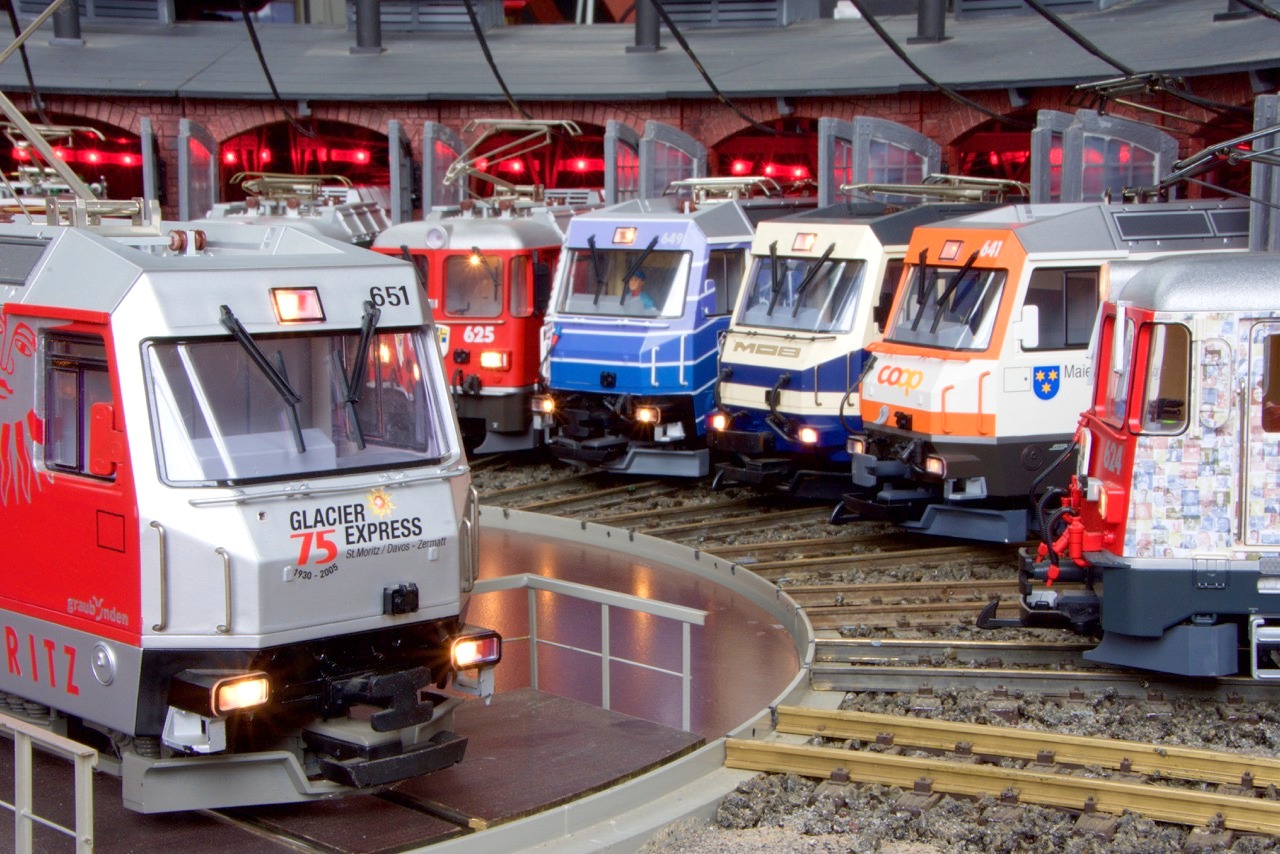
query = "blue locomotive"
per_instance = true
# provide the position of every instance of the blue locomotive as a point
(642, 297)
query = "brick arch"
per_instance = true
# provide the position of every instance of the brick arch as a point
(226, 121)
(119, 114)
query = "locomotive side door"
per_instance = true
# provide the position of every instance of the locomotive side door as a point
(1259, 444)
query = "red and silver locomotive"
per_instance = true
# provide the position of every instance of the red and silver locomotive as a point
(238, 522)
(1168, 537)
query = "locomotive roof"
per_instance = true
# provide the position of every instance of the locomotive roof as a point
(462, 231)
(1206, 282)
(715, 220)
(113, 264)
(1067, 227)
(891, 227)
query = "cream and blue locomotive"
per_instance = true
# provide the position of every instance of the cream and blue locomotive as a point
(817, 292)
(1168, 536)
(240, 533)
(643, 294)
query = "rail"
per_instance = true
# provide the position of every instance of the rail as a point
(1041, 782)
(607, 599)
(24, 817)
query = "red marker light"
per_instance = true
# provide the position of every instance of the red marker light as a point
(741, 167)
(228, 157)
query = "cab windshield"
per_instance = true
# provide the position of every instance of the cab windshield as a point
(805, 294)
(473, 285)
(625, 283)
(325, 404)
(948, 308)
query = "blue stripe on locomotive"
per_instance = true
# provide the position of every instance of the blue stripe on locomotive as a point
(832, 376)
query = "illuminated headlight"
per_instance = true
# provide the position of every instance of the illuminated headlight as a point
(808, 435)
(648, 414)
(495, 360)
(856, 445)
(718, 421)
(297, 305)
(218, 692)
(935, 466)
(544, 405)
(476, 651)
(1113, 504)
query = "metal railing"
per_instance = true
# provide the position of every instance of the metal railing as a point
(607, 599)
(24, 817)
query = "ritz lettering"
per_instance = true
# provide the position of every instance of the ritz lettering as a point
(41, 659)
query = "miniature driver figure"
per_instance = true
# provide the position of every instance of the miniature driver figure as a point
(636, 291)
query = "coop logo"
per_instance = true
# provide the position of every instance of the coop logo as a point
(775, 350)
(908, 379)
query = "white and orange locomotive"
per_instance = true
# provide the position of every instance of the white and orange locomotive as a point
(238, 523)
(1168, 537)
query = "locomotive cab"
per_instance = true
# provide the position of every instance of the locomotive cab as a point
(486, 270)
(643, 293)
(985, 365)
(1166, 540)
(242, 534)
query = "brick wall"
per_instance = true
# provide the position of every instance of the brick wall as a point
(935, 115)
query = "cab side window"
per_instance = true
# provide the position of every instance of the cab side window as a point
(1164, 408)
(1271, 385)
(725, 268)
(1068, 303)
(77, 378)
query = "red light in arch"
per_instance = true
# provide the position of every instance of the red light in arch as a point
(740, 167)
(229, 157)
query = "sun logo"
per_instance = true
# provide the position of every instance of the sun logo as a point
(380, 502)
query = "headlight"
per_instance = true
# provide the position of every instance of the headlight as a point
(476, 651)
(936, 466)
(217, 693)
(719, 421)
(648, 414)
(808, 435)
(856, 445)
(495, 360)
(544, 405)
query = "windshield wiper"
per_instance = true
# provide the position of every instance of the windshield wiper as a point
(595, 267)
(493, 276)
(275, 375)
(636, 266)
(923, 269)
(977, 303)
(776, 275)
(949, 290)
(354, 383)
(809, 277)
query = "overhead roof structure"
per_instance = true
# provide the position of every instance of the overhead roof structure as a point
(825, 57)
